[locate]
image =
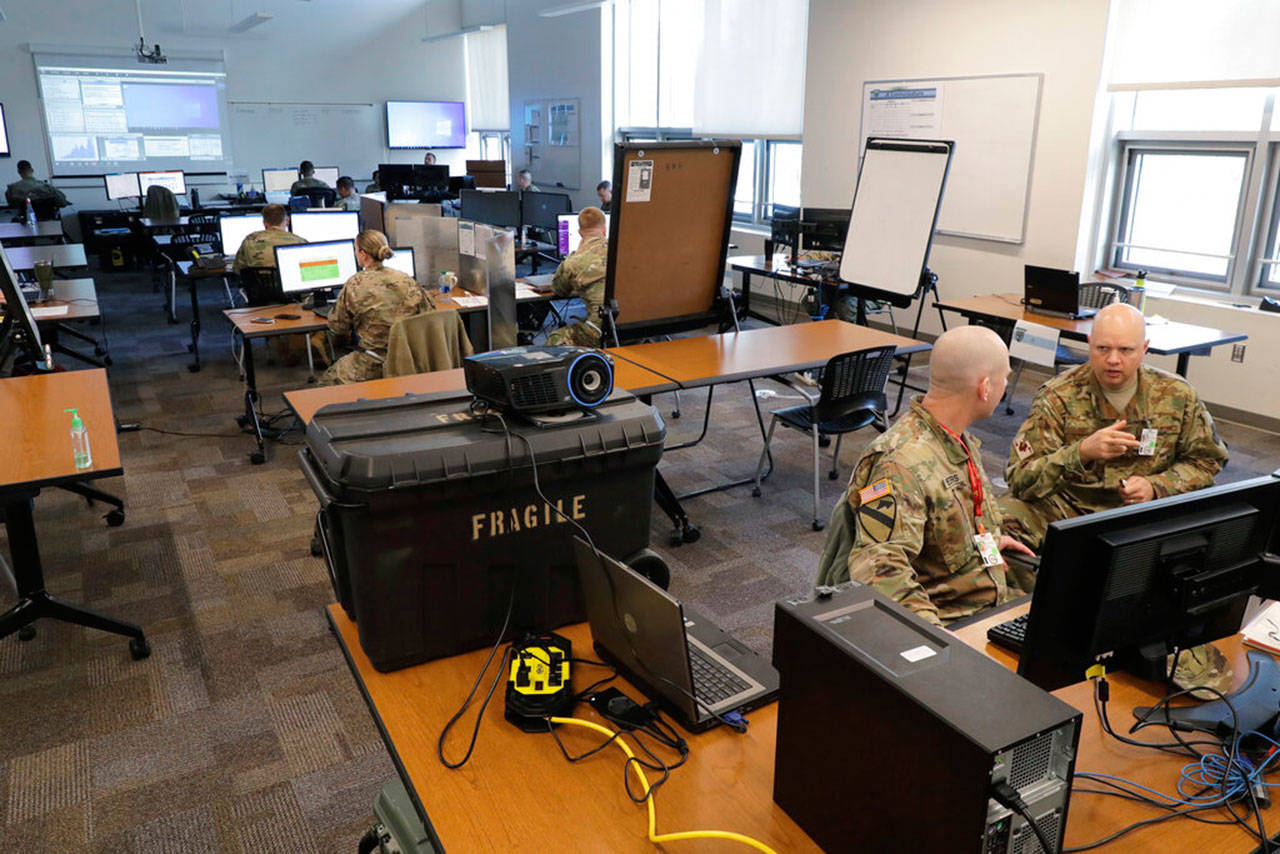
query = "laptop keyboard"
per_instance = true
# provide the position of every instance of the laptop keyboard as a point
(712, 681)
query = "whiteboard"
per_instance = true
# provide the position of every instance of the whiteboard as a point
(894, 208)
(266, 135)
(992, 120)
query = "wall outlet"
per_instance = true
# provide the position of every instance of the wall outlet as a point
(1237, 352)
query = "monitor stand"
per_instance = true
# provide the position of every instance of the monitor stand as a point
(1256, 702)
(317, 299)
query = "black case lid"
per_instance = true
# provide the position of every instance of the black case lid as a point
(422, 439)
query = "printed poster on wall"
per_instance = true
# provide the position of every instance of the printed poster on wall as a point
(639, 180)
(911, 111)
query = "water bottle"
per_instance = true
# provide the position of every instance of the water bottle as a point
(79, 441)
(1140, 288)
(31, 214)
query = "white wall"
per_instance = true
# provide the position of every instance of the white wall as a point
(556, 58)
(323, 51)
(852, 42)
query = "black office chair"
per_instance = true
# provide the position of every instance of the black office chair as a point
(46, 209)
(852, 397)
(160, 203)
(260, 285)
(317, 197)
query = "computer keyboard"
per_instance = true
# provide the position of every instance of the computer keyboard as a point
(1011, 634)
(712, 681)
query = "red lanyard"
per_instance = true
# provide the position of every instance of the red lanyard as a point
(975, 482)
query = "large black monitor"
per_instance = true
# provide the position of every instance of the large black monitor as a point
(784, 225)
(824, 228)
(541, 210)
(500, 207)
(19, 336)
(1129, 586)
(413, 181)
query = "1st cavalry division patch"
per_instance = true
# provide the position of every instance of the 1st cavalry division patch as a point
(877, 517)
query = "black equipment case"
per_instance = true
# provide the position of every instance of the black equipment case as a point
(431, 524)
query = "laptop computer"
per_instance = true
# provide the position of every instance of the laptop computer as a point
(669, 651)
(1053, 292)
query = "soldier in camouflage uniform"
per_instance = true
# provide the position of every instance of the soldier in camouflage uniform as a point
(582, 275)
(370, 302)
(928, 528)
(258, 247)
(1080, 450)
(308, 180)
(28, 187)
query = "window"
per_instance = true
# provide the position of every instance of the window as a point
(784, 174)
(1180, 210)
(744, 195)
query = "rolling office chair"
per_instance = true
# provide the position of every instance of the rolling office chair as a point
(160, 203)
(46, 209)
(260, 285)
(852, 397)
(317, 197)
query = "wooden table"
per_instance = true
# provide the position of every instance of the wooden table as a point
(39, 455)
(1167, 337)
(62, 255)
(18, 233)
(518, 787)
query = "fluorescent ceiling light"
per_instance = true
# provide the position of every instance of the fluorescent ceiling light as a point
(252, 21)
(570, 8)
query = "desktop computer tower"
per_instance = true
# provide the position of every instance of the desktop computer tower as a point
(892, 733)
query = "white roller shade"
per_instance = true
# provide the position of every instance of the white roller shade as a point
(487, 98)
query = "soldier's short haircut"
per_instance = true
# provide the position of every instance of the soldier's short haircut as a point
(273, 215)
(590, 218)
(345, 182)
(306, 167)
(604, 185)
(25, 166)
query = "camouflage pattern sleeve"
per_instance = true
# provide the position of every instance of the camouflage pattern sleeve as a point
(1041, 460)
(890, 534)
(1200, 455)
(340, 318)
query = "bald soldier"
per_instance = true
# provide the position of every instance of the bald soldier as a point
(1109, 432)
(582, 275)
(926, 529)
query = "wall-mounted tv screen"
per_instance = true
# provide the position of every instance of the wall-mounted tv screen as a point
(426, 124)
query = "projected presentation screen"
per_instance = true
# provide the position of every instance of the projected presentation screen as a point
(328, 174)
(175, 181)
(106, 114)
(234, 229)
(311, 266)
(4, 134)
(320, 226)
(123, 186)
(278, 180)
(402, 260)
(567, 232)
(426, 124)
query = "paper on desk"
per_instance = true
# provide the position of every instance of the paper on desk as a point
(49, 310)
(471, 302)
(523, 291)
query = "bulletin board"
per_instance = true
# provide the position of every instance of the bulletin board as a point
(669, 232)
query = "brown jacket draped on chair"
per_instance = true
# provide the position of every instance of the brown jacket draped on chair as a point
(433, 341)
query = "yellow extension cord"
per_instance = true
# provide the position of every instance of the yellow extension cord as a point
(654, 837)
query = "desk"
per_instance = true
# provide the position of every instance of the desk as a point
(193, 276)
(39, 455)
(779, 267)
(518, 787)
(1168, 338)
(81, 299)
(63, 256)
(17, 233)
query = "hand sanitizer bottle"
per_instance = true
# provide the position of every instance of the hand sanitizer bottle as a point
(79, 441)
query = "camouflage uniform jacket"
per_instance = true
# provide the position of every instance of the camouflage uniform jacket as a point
(370, 302)
(1045, 457)
(18, 192)
(913, 502)
(258, 248)
(349, 203)
(307, 183)
(582, 275)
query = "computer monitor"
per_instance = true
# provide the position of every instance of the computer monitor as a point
(540, 210)
(328, 174)
(123, 185)
(173, 179)
(824, 229)
(315, 266)
(402, 260)
(320, 226)
(785, 225)
(234, 229)
(501, 207)
(413, 181)
(1130, 585)
(278, 180)
(568, 238)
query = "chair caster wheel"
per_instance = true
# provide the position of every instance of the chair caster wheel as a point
(824, 441)
(675, 413)
(691, 534)
(26, 633)
(755, 492)
(676, 539)
(818, 526)
(115, 518)
(139, 648)
(832, 475)
(106, 360)
(257, 458)
(317, 548)
(195, 369)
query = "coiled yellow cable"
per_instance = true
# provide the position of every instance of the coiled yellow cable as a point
(654, 836)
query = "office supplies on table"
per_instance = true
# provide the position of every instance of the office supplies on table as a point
(672, 652)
